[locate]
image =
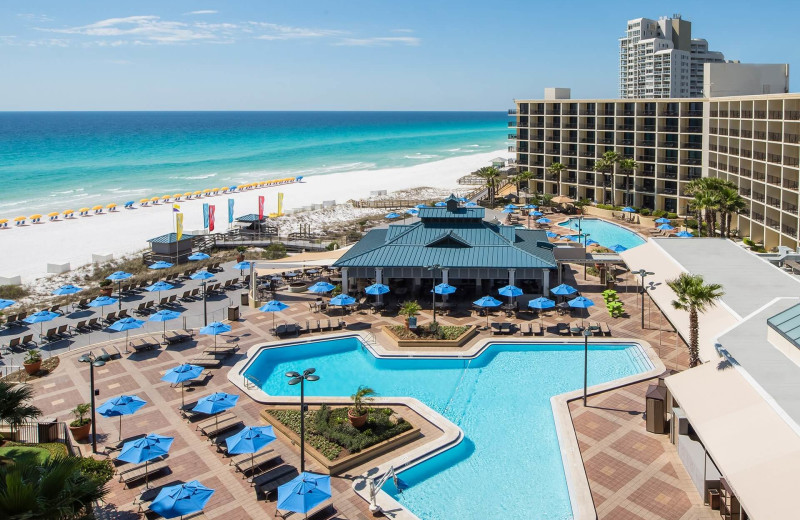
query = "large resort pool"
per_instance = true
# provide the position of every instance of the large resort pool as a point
(508, 464)
(606, 234)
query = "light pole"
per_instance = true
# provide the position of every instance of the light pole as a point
(307, 375)
(585, 238)
(205, 307)
(93, 362)
(586, 334)
(644, 274)
(432, 269)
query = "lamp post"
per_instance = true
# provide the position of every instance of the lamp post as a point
(307, 375)
(432, 269)
(585, 239)
(644, 274)
(205, 307)
(586, 334)
(93, 362)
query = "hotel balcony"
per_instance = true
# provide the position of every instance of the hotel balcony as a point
(513, 137)
(775, 203)
(512, 111)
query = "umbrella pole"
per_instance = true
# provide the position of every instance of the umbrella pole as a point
(146, 480)
(182, 402)
(120, 427)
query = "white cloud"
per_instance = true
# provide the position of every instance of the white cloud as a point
(33, 17)
(402, 30)
(148, 28)
(203, 11)
(284, 32)
(380, 41)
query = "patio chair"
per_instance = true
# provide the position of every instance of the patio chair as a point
(495, 328)
(93, 324)
(263, 459)
(563, 329)
(111, 317)
(140, 471)
(605, 328)
(14, 344)
(536, 328)
(63, 331)
(268, 482)
(141, 344)
(27, 341)
(49, 336)
(206, 361)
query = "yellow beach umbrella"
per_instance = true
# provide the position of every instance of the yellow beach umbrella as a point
(187, 194)
(83, 209)
(144, 200)
(3, 221)
(95, 208)
(35, 216)
(177, 195)
(53, 214)
(69, 212)
(20, 219)
(206, 190)
(112, 205)
(154, 199)
(166, 197)
(198, 193)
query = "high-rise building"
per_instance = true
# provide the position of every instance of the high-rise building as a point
(660, 59)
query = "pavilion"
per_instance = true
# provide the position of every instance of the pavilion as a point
(451, 244)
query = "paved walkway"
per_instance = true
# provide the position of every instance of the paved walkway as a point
(632, 474)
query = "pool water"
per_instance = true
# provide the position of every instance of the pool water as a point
(509, 460)
(606, 234)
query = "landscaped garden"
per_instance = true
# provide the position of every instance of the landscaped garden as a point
(442, 332)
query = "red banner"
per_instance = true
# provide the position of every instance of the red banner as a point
(211, 218)
(260, 207)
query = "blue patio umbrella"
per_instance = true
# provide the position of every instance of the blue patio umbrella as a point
(164, 315)
(201, 275)
(242, 266)
(215, 329)
(102, 301)
(541, 303)
(510, 206)
(159, 286)
(511, 291)
(321, 287)
(118, 276)
(563, 290)
(342, 300)
(194, 257)
(684, 234)
(536, 213)
(66, 290)
(530, 206)
(618, 248)
(215, 403)
(251, 439)
(580, 302)
(662, 220)
(6, 303)
(628, 209)
(591, 242)
(304, 492)
(41, 317)
(377, 289)
(550, 234)
(665, 227)
(507, 210)
(392, 215)
(126, 324)
(471, 204)
(180, 374)
(444, 288)
(160, 265)
(462, 199)
(487, 302)
(543, 220)
(440, 204)
(420, 206)
(119, 406)
(413, 211)
(183, 499)
(273, 306)
(145, 449)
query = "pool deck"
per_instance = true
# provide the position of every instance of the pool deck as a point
(631, 473)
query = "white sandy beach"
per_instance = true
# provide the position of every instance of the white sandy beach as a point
(29, 249)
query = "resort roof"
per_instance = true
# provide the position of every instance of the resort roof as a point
(169, 238)
(452, 238)
(251, 217)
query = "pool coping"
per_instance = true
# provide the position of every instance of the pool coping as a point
(580, 495)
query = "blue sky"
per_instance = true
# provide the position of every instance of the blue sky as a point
(342, 55)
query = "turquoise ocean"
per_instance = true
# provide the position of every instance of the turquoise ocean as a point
(53, 160)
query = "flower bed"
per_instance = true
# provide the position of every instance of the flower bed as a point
(444, 332)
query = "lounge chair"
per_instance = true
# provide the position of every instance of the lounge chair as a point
(260, 460)
(495, 328)
(605, 328)
(50, 335)
(63, 331)
(221, 350)
(11, 320)
(93, 323)
(268, 482)
(536, 328)
(206, 361)
(111, 317)
(563, 329)
(116, 446)
(186, 296)
(140, 309)
(140, 471)
(140, 344)
(202, 380)
(211, 419)
(28, 341)
(326, 512)
(220, 427)
(14, 344)
(177, 336)
(83, 303)
(506, 328)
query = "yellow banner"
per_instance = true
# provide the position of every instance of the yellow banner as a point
(179, 225)
(280, 204)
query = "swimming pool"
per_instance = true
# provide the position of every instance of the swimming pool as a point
(509, 460)
(605, 233)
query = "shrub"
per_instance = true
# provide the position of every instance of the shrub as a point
(593, 271)
(645, 212)
(332, 246)
(274, 251)
(79, 412)
(672, 216)
(659, 213)
(13, 292)
(101, 471)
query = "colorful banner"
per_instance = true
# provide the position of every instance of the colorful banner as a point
(280, 204)
(260, 207)
(179, 225)
(211, 218)
(205, 216)
(176, 208)
(230, 211)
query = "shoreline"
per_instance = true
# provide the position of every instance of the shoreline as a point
(125, 232)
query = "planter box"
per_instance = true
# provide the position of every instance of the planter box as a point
(460, 341)
(339, 466)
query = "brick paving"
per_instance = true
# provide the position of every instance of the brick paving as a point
(632, 474)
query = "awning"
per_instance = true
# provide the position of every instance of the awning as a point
(754, 448)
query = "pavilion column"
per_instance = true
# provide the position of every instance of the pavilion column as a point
(445, 279)
(546, 282)
(345, 279)
(511, 276)
(379, 279)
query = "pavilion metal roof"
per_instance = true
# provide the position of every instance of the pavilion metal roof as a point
(169, 238)
(250, 217)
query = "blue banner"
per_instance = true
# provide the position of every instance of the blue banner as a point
(205, 216)
(230, 211)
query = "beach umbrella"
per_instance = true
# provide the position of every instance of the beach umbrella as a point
(420, 206)
(580, 303)
(201, 275)
(511, 291)
(69, 211)
(66, 290)
(536, 213)
(550, 234)
(243, 266)
(215, 403)
(198, 256)
(119, 406)
(540, 304)
(321, 287)
(628, 209)
(159, 286)
(342, 300)
(144, 201)
(392, 215)
(164, 315)
(182, 499)
(506, 210)
(684, 234)
(665, 227)
(304, 492)
(543, 220)
(6, 303)
(462, 199)
(412, 211)
(530, 206)
(563, 290)
(118, 277)
(160, 265)
(618, 248)
(487, 302)
(662, 220)
(591, 242)
(215, 329)
(126, 324)
(377, 289)
(273, 306)
(144, 450)
(471, 204)
(53, 214)
(102, 301)
(251, 439)
(180, 374)
(510, 206)
(444, 288)
(40, 317)
(440, 204)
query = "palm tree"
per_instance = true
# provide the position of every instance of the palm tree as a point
(732, 204)
(627, 167)
(54, 490)
(604, 167)
(523, 176)
(556, 168)
(612, 158)
(14, 409)
(490, 174)
(694, 296)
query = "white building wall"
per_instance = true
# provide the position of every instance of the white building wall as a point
(742, 79)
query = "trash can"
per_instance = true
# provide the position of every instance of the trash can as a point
(656, 409)
(233, 313)
(245, 299)
(48, 431)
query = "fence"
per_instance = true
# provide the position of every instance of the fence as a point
(42, 432)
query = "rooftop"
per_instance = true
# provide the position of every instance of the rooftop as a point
(169, 238)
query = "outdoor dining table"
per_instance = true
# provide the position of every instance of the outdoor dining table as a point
(291, 275)
(313, 271)
(377, 306)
